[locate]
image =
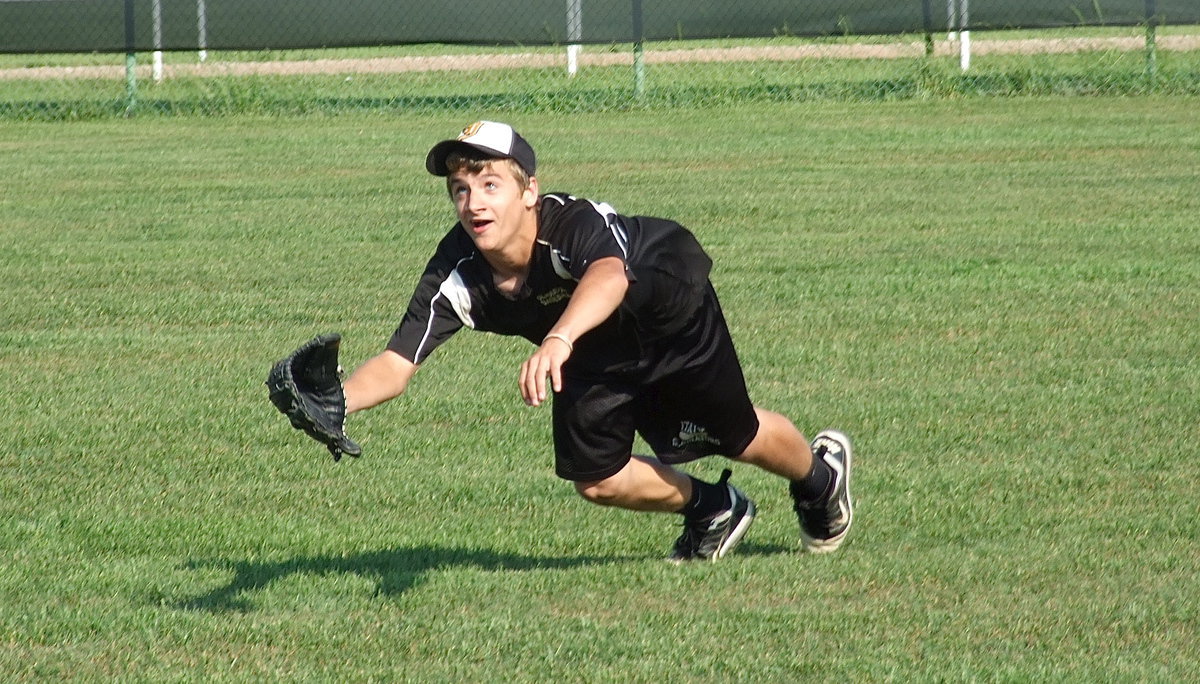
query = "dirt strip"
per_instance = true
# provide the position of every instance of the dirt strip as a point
(392, 65)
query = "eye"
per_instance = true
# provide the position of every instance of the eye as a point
(490, 185)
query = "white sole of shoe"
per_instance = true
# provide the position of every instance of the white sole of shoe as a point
(811, 544)
(739, 531)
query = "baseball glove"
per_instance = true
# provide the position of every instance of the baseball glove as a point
(307, 388)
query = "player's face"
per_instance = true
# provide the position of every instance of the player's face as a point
(492, 207)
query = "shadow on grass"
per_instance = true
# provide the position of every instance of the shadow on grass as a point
(395, 570)
(759, 549)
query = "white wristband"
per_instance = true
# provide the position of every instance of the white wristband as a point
(561, 338)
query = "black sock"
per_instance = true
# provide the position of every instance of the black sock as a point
(815, 485)
(707, 500)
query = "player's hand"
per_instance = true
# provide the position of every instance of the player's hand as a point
(546, 362)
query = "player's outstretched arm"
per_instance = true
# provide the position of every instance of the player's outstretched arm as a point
(380, 379)
(600, 291)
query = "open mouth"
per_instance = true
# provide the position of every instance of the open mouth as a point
(480, 225)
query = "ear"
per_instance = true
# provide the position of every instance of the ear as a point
(530, 196)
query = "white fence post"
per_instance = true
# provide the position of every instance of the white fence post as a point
(158, 55)
(964, 34)
(574, 34)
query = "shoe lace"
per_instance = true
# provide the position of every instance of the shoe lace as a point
(689, 541)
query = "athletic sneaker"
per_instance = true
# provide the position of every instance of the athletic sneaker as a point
(713, 537)
(824, 523)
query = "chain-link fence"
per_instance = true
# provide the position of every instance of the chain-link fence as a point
(87, 58)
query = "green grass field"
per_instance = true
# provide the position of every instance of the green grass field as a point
(997, 298)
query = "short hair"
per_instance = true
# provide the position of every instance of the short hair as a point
(473, 162)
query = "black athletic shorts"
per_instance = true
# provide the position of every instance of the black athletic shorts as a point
(687, 398)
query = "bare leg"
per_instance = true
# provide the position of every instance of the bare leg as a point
(778, 447)
(644, 484)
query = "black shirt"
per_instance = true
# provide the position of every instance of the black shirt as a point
(667, 271)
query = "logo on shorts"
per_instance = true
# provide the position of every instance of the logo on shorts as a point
(691, 434)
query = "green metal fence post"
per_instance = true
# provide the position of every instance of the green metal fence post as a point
(927, 12)
(639, 54)
(130, 61)
(130, 83)
(1151, 41)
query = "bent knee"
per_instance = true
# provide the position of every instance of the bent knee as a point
(602, 492)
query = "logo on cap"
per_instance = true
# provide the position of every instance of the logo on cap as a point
(470, 130)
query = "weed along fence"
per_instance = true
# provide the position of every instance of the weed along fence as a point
(59, 58)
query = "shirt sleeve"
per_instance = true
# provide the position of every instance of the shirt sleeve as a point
(440, 306)
(587, 231)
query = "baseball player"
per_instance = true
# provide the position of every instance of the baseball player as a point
(629, 338)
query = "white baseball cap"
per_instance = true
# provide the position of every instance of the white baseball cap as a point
(493, 139)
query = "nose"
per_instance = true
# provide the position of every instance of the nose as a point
(474, 201)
